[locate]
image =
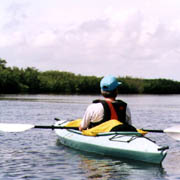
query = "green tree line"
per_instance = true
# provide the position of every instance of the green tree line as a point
(30, 80)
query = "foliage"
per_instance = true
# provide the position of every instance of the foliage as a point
(30, 80)
(131, 85)
(161, 86)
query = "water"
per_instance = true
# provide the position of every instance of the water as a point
(37, 154)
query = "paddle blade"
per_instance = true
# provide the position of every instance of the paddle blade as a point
(5, 127)
(173, 132)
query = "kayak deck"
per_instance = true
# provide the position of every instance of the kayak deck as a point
(129, 145)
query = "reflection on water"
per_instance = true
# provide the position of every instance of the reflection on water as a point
(35, 154)
(96, 167)
(114, 169)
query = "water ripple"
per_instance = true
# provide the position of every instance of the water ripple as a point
(37, 154)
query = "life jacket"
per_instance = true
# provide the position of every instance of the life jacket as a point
(112, 110)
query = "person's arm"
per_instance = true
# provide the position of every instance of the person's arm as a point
(128, 115)
(93, 113)
(86, 120)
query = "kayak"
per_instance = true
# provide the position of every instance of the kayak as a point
(128, 145)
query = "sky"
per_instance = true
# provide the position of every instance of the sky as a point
(137, 38)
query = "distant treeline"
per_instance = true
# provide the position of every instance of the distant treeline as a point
(30, 80)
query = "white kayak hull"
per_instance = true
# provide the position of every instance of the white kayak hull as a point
(127, 145)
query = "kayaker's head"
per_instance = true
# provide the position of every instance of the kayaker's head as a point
(109, 85)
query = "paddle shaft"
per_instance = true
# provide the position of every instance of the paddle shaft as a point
(76, 128)
(54, 127)
(152, 130)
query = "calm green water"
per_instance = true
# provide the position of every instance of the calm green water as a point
(37, 155)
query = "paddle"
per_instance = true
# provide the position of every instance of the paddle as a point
(173, 132)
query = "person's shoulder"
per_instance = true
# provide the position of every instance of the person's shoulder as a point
(120, 101)
(95, 106)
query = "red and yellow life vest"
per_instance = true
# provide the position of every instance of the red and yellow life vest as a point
(112, 110)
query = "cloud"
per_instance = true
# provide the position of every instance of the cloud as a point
(15, 17)
(46, 38)
(121, 43)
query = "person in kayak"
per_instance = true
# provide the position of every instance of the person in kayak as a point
(103, 110)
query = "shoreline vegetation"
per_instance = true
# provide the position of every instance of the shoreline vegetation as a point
(14, 80)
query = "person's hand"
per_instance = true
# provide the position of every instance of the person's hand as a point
(80, 128)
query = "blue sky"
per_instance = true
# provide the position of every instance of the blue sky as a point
(138, 38)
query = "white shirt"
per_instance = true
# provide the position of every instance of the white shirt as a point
(95, 113)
